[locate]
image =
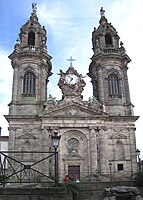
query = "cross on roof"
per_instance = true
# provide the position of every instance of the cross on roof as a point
(70, 59)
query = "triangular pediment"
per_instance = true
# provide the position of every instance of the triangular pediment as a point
(26, 136)
(118, 136)
(73, 157)
(76, 109)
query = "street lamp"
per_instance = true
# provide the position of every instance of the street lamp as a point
(138, 155)
(110, 166)
(55, 144)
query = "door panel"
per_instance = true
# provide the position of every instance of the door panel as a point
(74, 172)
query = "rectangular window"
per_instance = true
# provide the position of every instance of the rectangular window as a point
(120, 167)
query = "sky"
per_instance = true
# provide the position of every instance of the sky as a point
(69, 26)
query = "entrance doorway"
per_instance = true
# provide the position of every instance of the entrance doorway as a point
(74, 172)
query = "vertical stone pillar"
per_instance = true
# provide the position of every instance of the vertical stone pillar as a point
(126, 84)
(11, 147)
(93, 150)
(43, 85)
(133, 152)
(45, 165)
(102, 152)
(15, 84)
(100, 85)
(11, 142)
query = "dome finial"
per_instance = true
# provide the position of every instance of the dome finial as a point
(102, 12)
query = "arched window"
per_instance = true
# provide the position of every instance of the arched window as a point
(31, 38)
(113, 85)
(108, 40)
(29, 84)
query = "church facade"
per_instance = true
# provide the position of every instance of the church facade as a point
(98, 135)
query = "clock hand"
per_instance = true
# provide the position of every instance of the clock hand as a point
(71, 79)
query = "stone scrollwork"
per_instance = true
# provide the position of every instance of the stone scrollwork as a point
(94, 104)
(50, 104)
(71, 89)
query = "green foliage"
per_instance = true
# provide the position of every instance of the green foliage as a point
(72, 186)
(139, 178)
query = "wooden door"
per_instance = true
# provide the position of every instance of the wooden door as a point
(74, 172)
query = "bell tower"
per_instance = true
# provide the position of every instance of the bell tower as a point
(108, 69)
(32, 68)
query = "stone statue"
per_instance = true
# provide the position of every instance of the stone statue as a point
(34, 7)
(102, 12)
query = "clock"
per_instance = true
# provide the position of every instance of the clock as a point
(71, 79)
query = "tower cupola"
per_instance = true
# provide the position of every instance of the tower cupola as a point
(32, 67)
(105, 38)
(108, 69)
(32, 37)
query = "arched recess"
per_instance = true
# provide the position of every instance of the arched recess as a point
(31, 38)
(75, 135)
(120, 151)
(29, 83)
(74, 153)
(108, 40)
(113, 86)
(26, 146)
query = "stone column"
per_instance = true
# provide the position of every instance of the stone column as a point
(45, 139)
(15, 84)
(102, 151)
(100, 85)
(11, 146)
(133, 151)
(93, 151)
(43, 84)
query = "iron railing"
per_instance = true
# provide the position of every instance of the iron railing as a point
(13, 169)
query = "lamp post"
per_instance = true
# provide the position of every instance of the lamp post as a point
(138, 155)
(55, 144)
(110, 166)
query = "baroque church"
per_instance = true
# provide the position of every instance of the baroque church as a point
(98, 135)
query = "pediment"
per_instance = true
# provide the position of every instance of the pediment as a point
(73, 109)
(26, 136)
(73, 157)
(119, 136)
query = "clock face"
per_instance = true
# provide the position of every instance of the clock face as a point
(71, 79)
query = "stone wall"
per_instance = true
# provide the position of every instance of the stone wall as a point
(89, 191)
(32, 193)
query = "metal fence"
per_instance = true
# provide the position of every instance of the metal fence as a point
(14, 169)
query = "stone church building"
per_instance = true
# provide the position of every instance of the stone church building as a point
(98, 135)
